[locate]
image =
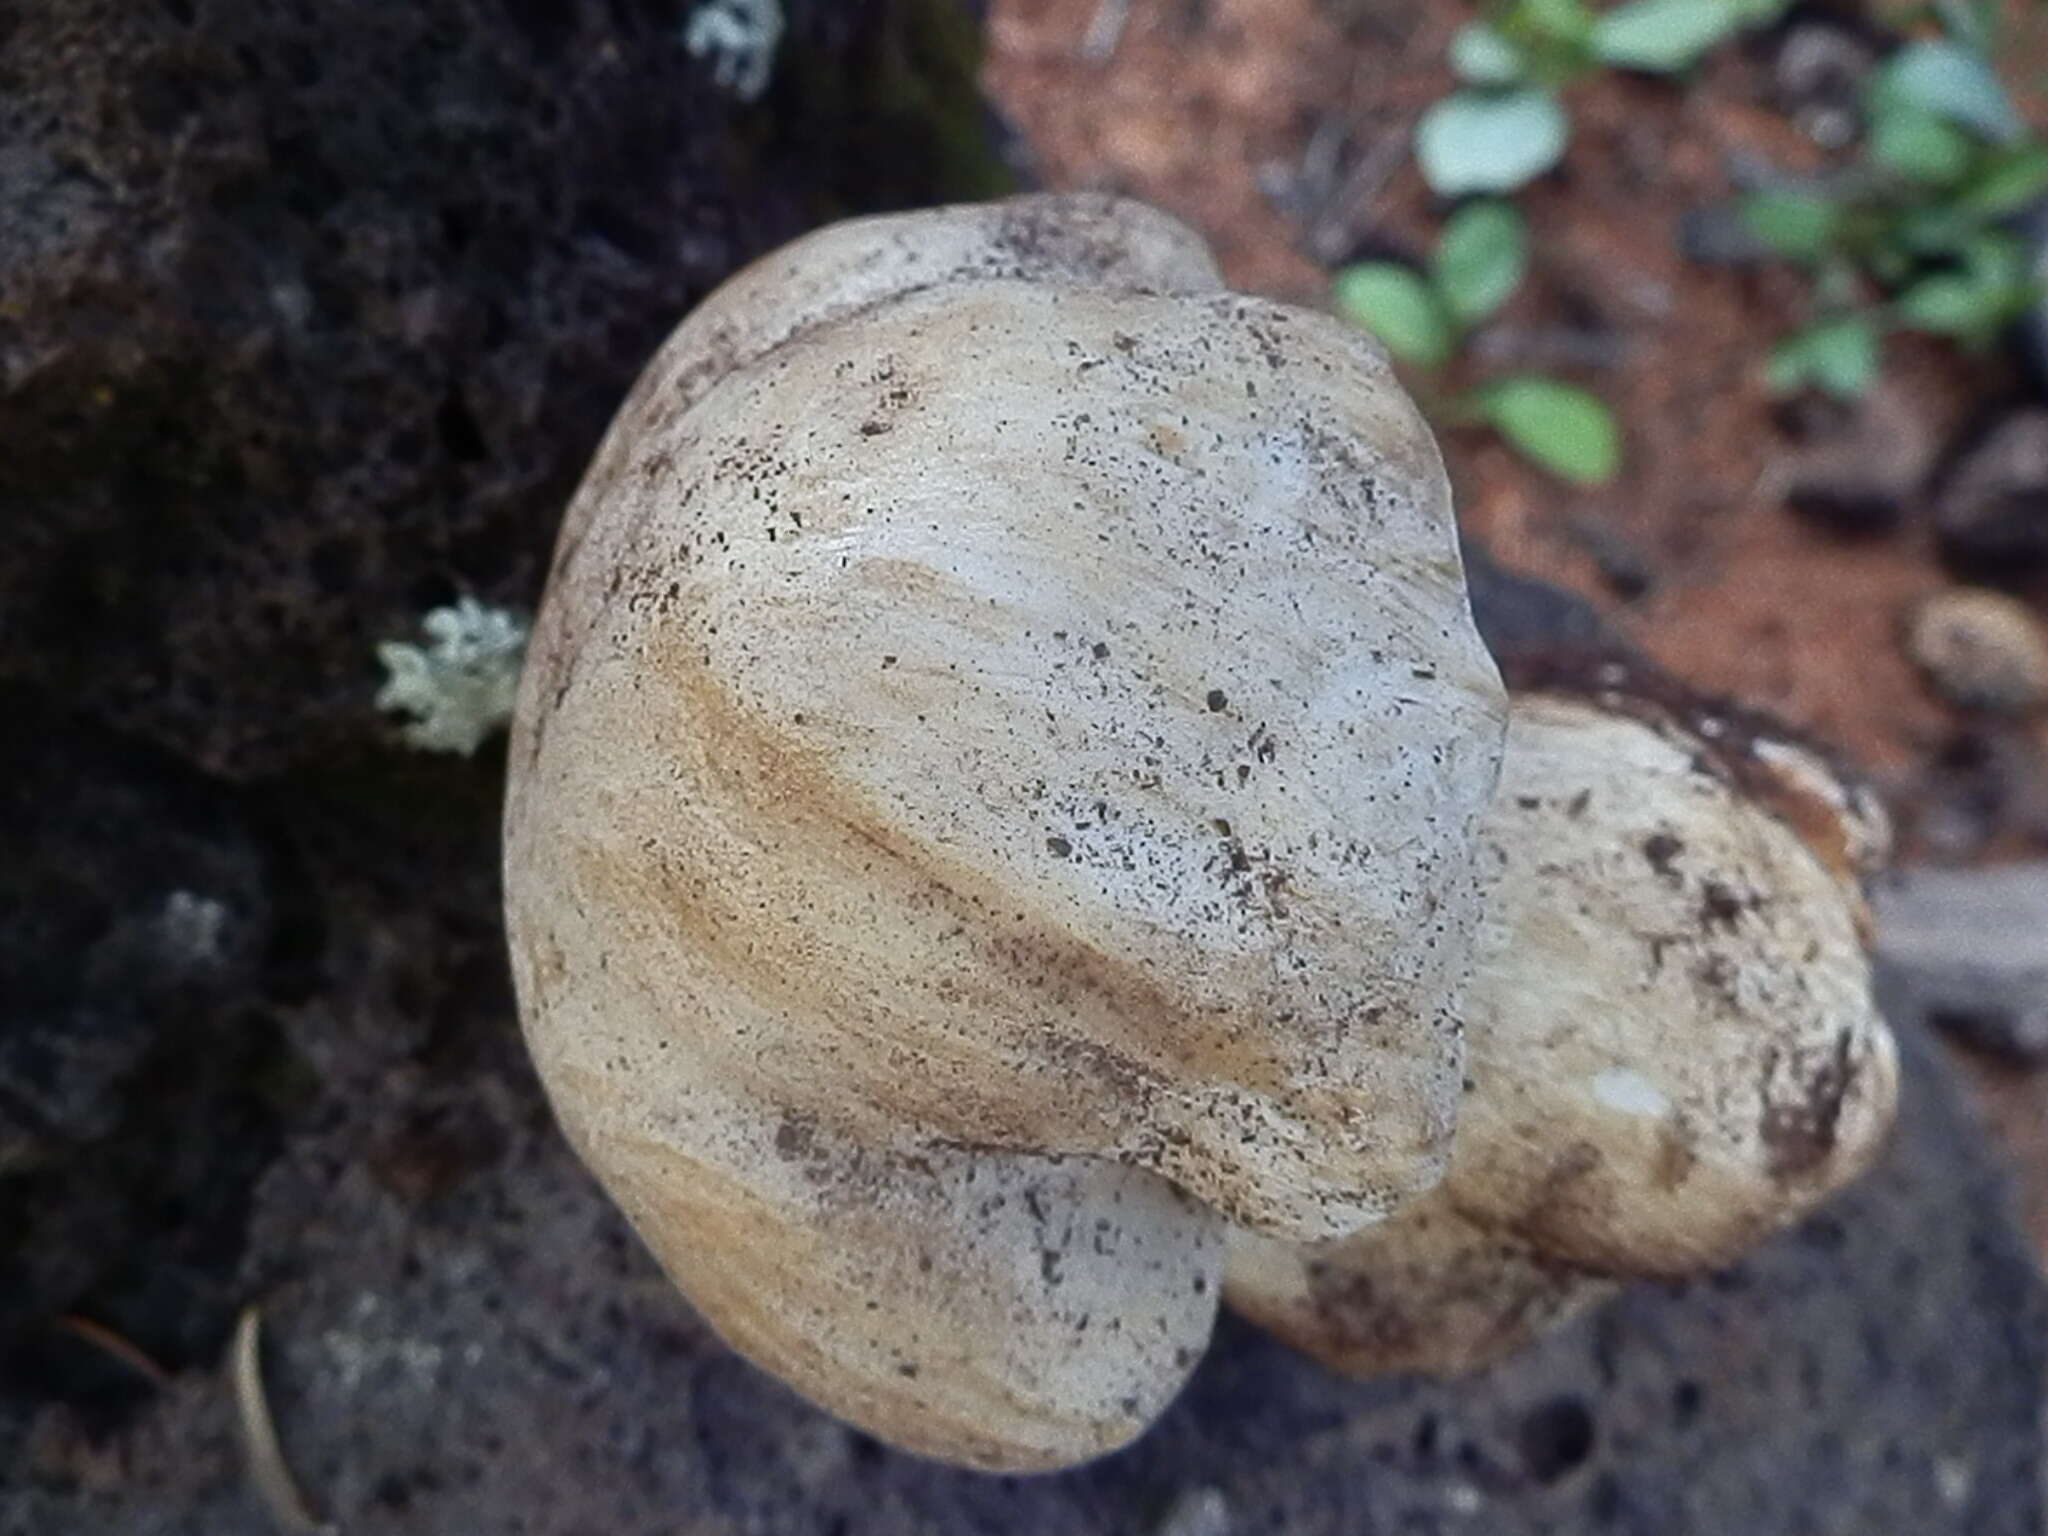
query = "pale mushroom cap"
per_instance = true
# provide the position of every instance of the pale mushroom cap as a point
(1087, 239)
(1006, 720)
(1068, 835)
(1426, 1292)
(1672, 1025)
(1673, 1045)
(1004, 1311)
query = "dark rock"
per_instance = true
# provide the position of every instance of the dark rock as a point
(1991, 508)
(1624, 569)
(140, 1086)
(1532, 626)
(134, 898)
(1861, 467)
(1966, 951)
(508, 1358)
(311, 315)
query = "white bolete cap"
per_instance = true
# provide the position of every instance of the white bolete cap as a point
(1674, 1049)
(1427, 1291)
(993, 804)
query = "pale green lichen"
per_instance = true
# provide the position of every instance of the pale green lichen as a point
(740, 38)
(460, 686)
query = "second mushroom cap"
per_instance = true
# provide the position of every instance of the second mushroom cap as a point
(1675, 1049)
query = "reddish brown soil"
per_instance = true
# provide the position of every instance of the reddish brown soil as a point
(1280, 127)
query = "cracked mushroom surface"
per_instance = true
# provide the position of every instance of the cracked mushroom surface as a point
(1674, 1048)
(993, 806)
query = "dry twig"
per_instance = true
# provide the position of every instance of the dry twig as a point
(111, 1344)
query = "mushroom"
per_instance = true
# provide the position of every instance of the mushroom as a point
(992, 808)
(1674, 1049)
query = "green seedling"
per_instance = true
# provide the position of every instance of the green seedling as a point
(1919, 234)
(1506, 124)
(1424, 318)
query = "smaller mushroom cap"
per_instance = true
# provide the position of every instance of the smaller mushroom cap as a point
(1671, 1013)
(1425, 1292)
(1673, 1045)
(1000, 1310)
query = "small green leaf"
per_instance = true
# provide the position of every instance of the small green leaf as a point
(2013, 179)
(1663, 35)
(1973, 306)
(1797, 225)
(1950, 81)
(1489, 141)
(1947, 305)
(1838, 357)
(1921, 145)
(1480, 260)
(1559, 426)
(1481, 56)
(1396, 305)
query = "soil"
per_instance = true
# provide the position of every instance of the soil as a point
(1280, 129)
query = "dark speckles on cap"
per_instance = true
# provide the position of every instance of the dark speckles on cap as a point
(1720, 907)
(1661, 848)
(1799, 1131)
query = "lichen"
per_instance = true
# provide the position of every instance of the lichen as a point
(740, 38)
(460, 686)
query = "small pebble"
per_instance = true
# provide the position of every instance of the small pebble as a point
(1857, 470)
(1981, 650)
(1989, 506)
